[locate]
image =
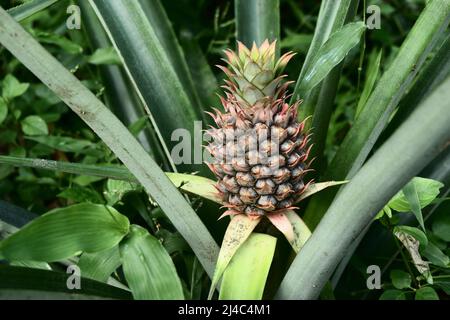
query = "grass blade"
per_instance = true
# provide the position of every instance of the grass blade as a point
(63, 233)
(428, 127)
(246, 275)
(257, 20)
(113, 133)
(148, 268)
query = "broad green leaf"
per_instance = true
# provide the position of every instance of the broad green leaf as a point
(411, 195)
(116, 189)
(333, 51)
(65, 232)
(100, 265)
(3, 110)
(400, 279)
(105, 56)
(238, 231)
(317, 187)
(371, 77)
(80, 194)
(26, 283)
(29, 8)
(246, 274)
(60, 41)
(85, 181)
(66, 144)
(393, 295)
(426, 189)
(12, 88)
(34, 126)
(435, 255)
(426, 293)
(148, 268)
(441, 227)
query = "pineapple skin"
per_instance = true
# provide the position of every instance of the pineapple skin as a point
(259, 148)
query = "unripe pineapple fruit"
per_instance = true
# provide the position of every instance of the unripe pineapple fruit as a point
(259, 148)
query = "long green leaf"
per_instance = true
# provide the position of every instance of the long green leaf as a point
(157, 16)
(27, 9)
(237, 233)
(384, 174)
(120, 95)
(331, 53)
(432, 74)
(204, 79)
(246, 275)
(320, 101)
(148, 268)
(33, 284)
(332, 16)
(257, 20)
(100, 265)
(62, 233)
(113, 133)
(386, 95)
(371, 77)
(14, 215)
(150, 69)
(190, 183)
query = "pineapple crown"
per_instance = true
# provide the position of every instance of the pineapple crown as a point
(254, 73)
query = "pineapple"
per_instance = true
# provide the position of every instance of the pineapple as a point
(259, 148)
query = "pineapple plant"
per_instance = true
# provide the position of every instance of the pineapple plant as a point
(259, 149)
(170, 244)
